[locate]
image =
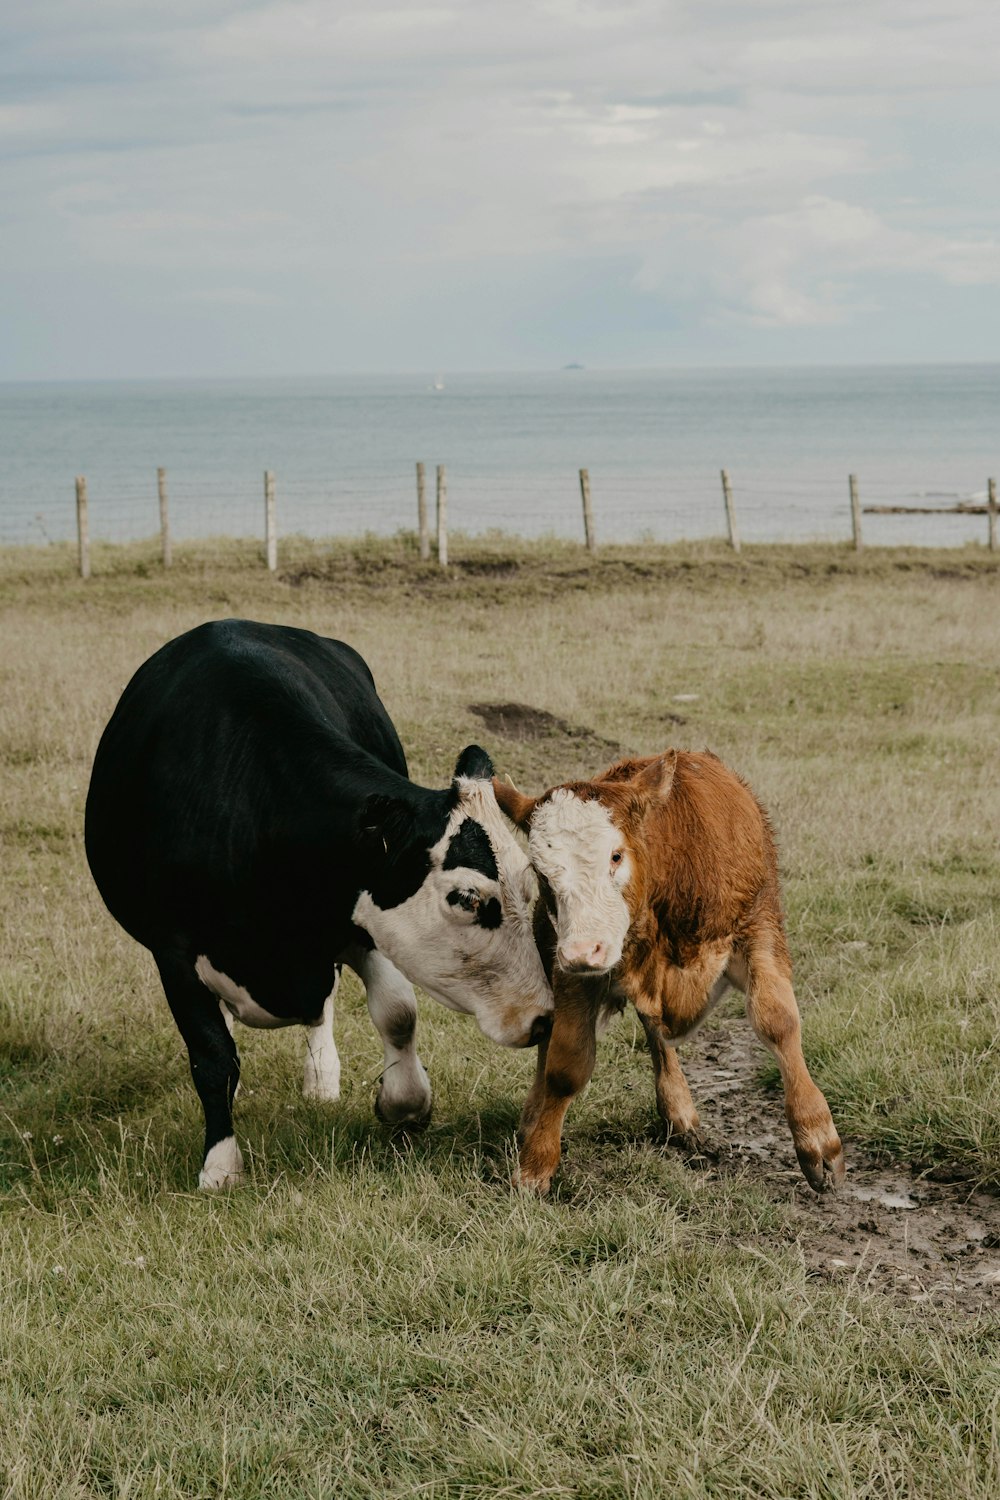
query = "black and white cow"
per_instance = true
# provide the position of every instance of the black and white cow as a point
(251, 822)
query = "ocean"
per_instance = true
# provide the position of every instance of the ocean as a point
(343, 451)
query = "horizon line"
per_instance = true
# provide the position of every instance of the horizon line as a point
(457, 372)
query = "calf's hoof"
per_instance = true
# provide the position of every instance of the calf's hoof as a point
(536, 1168)
(529, 1180)
(689, 1138)
(692, 1146)
(824, 1171)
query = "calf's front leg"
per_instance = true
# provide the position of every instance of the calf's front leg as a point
(565, 1063)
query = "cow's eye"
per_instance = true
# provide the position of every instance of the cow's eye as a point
(465, 900)
(617, 857)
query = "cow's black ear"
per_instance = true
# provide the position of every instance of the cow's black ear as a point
(392, 858)
(474, 762)
(380, 822)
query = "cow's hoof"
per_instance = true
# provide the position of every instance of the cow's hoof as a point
(824, 1174)
(219, 1182)
(223, 1167)
(321, 1074)
(404, 1095)
(320, 1091)
(411, 1124)
(403, 1114)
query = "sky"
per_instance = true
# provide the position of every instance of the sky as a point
(208, 188)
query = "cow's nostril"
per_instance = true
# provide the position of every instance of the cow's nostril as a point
(541, 1027)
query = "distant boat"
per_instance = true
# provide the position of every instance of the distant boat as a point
(438, 383)
(574, 366)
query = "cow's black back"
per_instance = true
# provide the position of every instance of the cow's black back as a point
(223, 806)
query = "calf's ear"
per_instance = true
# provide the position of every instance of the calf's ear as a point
(657, 776)
(474, 762)
(515, 804)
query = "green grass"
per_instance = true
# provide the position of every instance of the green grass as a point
(376, 1318)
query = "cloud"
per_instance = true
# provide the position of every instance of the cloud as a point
(763, 163)
(801, 267)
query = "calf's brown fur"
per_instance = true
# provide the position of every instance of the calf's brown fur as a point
(704, 910)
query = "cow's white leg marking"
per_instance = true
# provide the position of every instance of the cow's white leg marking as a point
(404, 1096)
(223, 1166)
(321, 1075)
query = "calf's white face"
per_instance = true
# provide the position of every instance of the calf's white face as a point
(576, 847)
(465, 935)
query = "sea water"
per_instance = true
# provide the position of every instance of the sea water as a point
(343, 450)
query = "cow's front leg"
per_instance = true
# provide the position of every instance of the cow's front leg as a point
(566, 1068)
(321, 1074)
(404, 1096)
(673, 1097)
(215, 1066)
(774, 1016)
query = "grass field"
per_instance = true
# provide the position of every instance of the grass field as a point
(373, 1316)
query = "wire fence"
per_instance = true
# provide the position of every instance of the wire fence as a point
(626, 506)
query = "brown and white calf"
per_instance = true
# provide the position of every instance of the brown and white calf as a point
(659, 885)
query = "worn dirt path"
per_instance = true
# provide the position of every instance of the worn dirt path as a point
(895, 1230)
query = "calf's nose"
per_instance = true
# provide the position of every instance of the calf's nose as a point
(583, 956)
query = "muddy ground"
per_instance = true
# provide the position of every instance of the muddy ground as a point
(892, 1228)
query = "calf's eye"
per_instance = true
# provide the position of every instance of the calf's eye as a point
(617, 857)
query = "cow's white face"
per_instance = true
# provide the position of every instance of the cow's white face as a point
(578, 850)
(466, 934)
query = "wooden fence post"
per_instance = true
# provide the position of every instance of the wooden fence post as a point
(422, 528)
(588, 513)
(82, 527)
(161, 487)
(991, 506)
(852, 481)
(270, 535)
(727, 495)
(442, 515)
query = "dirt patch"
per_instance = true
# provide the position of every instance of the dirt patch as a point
(549, 750)
(489, 567)
(891, 1228)
(519, 721)
(520, 572)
